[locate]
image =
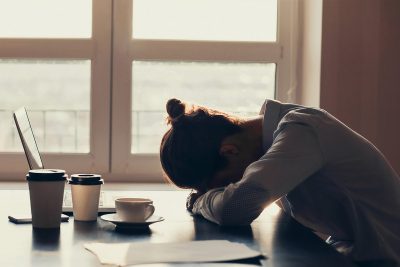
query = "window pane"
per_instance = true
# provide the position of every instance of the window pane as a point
(223, 20)
(57, 97)
(46, 18)
(234, 88)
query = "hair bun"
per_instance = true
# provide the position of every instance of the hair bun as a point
(175, 108)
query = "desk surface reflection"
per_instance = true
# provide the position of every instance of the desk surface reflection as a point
(283, 240)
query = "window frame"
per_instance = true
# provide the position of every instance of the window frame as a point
(112, 50)
(146, 167)
(97, 49)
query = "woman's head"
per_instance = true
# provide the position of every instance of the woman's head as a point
(190, 149)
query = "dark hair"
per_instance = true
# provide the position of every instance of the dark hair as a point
(189, 150)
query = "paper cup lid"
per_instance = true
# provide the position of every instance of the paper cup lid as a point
(86, 179)
(46, 175)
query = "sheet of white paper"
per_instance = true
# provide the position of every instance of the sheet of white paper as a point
(123, 254)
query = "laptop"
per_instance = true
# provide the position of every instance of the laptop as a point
(107, 199)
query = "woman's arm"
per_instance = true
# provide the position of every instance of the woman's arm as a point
(293, 157)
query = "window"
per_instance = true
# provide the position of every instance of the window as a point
(219, 85)
(46, 19)
(47, 80)
(96, 85)
(55, 60)
(206, 20)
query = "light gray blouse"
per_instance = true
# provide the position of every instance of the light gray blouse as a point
(325, 175)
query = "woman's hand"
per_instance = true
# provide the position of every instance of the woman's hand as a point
(191, 199)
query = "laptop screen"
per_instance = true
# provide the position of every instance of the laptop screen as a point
(28, 139)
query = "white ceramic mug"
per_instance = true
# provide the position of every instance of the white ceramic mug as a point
(134, 209)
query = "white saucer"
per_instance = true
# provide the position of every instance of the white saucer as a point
(115, 219)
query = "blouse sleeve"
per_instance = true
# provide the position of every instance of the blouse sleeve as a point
(294, 156)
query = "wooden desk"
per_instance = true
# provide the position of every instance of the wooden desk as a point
(285, 242)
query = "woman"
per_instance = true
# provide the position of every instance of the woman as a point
(328, 177)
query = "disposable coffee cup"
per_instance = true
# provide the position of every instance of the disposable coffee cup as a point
(134, 209)
(46, 191)
(85, 190)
